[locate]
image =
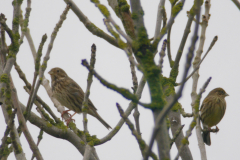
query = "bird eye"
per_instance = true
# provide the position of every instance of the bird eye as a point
(58, 71)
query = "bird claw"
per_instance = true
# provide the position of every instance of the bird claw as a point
(69, 120)
(65, 112)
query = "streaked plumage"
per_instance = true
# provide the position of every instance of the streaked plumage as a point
(212, 111)
(70, 94)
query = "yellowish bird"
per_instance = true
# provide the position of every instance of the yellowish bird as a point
(212, 111)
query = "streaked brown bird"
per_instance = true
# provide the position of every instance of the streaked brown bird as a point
(71, 95)
(212, 111)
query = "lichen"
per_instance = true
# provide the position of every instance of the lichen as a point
(104, 10)
(176, 9)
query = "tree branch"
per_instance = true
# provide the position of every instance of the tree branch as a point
(89, 25)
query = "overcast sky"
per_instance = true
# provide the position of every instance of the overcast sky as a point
(73, 43)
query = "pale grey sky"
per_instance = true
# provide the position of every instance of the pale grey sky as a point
(73, 43)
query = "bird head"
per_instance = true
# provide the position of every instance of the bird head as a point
(57, 73)
(219, 91)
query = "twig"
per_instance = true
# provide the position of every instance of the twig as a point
(176, 135)
(177, 8)
(236, 2)
(124, 92)
(37, 65)
(9, 129)
(183, 113)
(193, 123)
(162, 54)
(142, 145)
(24, 25)
(159, 18)
(168, 107)
(198, 65)
(23, 125)
(39, 140)
(127, 113)
(89, 25)
(47, 56)
(136, 113)
(87, 93)
(123, 45)
(195, 76)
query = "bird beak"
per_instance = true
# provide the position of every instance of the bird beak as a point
(226, 94)
(50, 72)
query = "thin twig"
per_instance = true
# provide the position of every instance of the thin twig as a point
(23, 125)
(236, 2)
(159, 18)
(178, 8)
(142, 145)
(198, 65)
(24, 25)
(168, 107)
(91, 26)
(39, 140)
(87, 93)
(124, 92)
(119, 40)
(162, 54)
(127, 113)
(37, 65)
(176, 135)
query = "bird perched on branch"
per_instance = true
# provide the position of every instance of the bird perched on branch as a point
(212, 111)
(70, 95)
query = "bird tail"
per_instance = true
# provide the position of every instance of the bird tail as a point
(94, 113)
(206, 138)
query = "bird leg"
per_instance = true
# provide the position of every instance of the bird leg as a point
(64, 113)
(70, 119)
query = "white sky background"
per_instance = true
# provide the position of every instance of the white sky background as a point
(73, 43)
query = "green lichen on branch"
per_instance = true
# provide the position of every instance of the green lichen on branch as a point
(185, 141)
(104, 10)
(92, 140)
(39, 54)
(176, 9)
(193, 10)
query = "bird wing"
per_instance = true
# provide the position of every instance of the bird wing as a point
(77, 92)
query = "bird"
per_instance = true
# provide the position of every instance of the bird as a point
(212, 111)
(71, 95)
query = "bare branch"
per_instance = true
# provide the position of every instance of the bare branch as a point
(87, 93)
(39, 140)
(176, 135)
(162, 54)
(142, 145)
(89, 25)
(159, 18)
(87, 153)
(195, 76)
(127, 113)
(236, 2)
(196, 67)
(23, 125)
(124, 92)
(37, 65)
